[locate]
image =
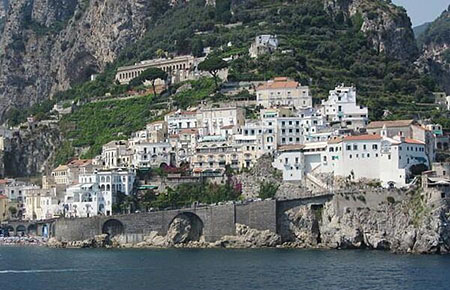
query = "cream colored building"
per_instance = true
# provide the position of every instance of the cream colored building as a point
(4, 206)
(212, 120)
(41, 204)
(178, 67)
(213, 153)
(283, 92)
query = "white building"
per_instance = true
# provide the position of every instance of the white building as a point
(341, 108)
(146, 155)
(212, 120)
(290, 159)
(263, 44)
(96, 193)
(285, 93)
(377, 157)
(180, 120)
(116, 154)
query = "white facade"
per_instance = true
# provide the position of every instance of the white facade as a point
(212, 120)
(181, 120)
(147, 155)
(341, 108)
(291, 161)
(116, 154)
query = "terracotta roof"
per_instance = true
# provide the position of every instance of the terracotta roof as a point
(414, 141)
(61, 167)
(293, 147)
(362, 137)
(3, 196)
(390, 124)
(3, 181)
(174, 136)
(227, 127)
(279, 83)
(188, 113)
(189, 131)
(335, 140)
(80, 162)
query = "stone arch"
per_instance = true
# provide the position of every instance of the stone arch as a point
(113, 228)
(21, 230)
(10, 230)
(32, 230)
(185, 227)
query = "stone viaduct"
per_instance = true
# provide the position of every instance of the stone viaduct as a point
(214, 221)
(43, 228)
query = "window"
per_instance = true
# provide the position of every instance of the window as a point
(349, 147)
(375, 147)
(350, 156)
(365, 147)
(355, 147)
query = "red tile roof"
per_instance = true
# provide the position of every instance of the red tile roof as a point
(390, 124)
(414, 141)
(279, 83)
(363, 137)
(293, 147)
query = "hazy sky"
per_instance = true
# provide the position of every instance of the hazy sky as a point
(421, 11)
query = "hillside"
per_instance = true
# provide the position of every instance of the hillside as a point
(322, 43)
(435, 44)
(420, 29)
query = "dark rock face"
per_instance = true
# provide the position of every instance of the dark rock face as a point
(47, 45)
(31, 151)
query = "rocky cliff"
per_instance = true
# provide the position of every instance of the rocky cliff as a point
(387, 26)
(435, 46)
(48, 45)
(31, 151)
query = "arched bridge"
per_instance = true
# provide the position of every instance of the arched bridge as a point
(211, 222)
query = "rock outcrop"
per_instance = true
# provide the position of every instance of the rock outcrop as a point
(435, 50)
(31, 151)
(387, 26)
(48, 45)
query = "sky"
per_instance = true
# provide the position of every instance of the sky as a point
(421, 11)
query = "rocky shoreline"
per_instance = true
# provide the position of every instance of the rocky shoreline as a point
(401, 222)
(23, 241)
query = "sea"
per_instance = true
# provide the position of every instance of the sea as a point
(28, 268)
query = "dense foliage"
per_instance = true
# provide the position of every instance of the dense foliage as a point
(437, 32)
(97, 123)
(317, 48)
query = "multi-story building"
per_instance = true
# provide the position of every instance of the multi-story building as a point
(213, 153)
(116, 154)
(179, 68)
(42, 204)
(146, 155)
(211, 121)
(96, 193)
(180, 120)
(341, 108)
(283, 92)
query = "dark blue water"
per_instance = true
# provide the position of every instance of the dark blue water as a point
(42, 268)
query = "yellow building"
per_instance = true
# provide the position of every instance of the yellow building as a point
(4, 203)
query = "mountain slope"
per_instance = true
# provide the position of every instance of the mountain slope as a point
(435, 55)
(420, 29)
(47, 45)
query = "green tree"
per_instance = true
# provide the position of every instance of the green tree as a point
(267, 190)
(213, 65)
(150, 74)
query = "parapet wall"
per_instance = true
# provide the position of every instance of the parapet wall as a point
(218, 221)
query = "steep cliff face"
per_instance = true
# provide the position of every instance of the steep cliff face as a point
(31, 151)
(435, 45)
(387, 26)
(47, 45)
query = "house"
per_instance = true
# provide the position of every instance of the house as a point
(212, 120)
(116, 154)
(263, 44)
(283, 92)
(290, 159)
(341, 108)
(377, 157)
(146, 155)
